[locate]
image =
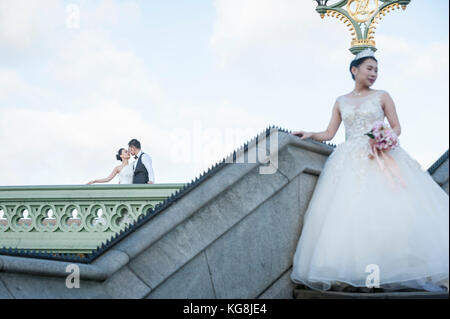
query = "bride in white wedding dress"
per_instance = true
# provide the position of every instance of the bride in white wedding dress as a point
(125, 170)
(360, 225)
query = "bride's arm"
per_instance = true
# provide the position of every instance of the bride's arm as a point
(391, 113)
(107, 179)
(331, 130)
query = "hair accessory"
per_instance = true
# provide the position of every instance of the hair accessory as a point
(365, 53)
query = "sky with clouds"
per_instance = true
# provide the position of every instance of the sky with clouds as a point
(193, 80)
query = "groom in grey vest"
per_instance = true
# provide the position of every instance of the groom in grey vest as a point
(143, 171)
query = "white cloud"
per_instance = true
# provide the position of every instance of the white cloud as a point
(248, 20)
(416, 58)
(73, 66)
(245, 24)
(24, 22)
(107, 14)
(91, 57)
(13, 84)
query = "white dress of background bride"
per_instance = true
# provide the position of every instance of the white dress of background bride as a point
(359, 223)
(126, 174)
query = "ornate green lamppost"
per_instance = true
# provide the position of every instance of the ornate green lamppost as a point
(361, 17)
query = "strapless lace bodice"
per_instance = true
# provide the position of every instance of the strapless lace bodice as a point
(360, 113)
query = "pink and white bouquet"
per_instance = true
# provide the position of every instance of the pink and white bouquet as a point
(384, 136)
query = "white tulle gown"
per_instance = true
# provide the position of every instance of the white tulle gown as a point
(357, 218)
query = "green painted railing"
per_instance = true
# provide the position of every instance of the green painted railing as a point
(73, 219)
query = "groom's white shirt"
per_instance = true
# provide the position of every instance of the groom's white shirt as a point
(147, 161)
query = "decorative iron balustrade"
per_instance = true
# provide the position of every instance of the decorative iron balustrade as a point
(73, 219)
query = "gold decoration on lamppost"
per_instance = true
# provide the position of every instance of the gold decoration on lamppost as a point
(361, 17)
(362, 10)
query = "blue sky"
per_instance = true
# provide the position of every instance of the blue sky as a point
(194, 80)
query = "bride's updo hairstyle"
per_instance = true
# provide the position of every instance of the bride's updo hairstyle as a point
(118, 154)
(358, 62)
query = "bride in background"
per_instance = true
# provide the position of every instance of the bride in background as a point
(125, 170)
(361, 228)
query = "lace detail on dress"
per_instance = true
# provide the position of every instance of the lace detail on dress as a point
(358, 115)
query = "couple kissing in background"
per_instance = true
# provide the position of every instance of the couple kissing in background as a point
(138, 171)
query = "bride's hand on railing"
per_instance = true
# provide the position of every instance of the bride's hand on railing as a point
(302, 134)
(90, 183)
